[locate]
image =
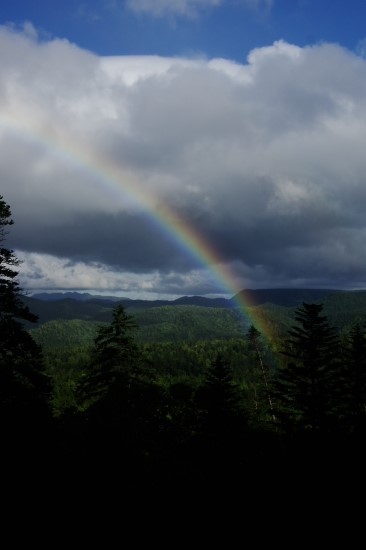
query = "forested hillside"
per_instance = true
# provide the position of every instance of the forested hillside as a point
(57, 326)
(160, 324)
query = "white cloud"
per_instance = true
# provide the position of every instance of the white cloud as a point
(264, 161)
(361, 48)
(40, 272)
(30, 30)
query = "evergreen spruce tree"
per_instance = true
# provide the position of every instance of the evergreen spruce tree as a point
(11, 305)
(24, 388)
(220, 395)
(306, 386)
(124, 407)
(223, 422)
(115, 357)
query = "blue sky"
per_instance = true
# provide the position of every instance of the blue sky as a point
(214, 28)
(244, 118)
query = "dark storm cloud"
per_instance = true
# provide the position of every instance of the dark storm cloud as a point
(263, 161)
(123, 241)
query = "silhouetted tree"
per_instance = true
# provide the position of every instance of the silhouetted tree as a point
(24, 388)
(11, 305)
(223, 417)
(115, 356)
(306, 385)
(219, 393)
(124, 406)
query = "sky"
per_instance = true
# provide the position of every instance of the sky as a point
(161, 148)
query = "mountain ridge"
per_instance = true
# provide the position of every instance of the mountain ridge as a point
(74, 305)
(287, 297)
(189, 318)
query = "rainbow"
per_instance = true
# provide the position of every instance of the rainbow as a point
(113, 176)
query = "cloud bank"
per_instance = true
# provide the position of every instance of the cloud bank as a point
(264, 161)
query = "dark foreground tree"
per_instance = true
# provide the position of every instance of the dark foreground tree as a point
(219, 395)
(24, 388)
(222, 419)
(123, 405)
(306, 384)
(11, 305)
(115, 357)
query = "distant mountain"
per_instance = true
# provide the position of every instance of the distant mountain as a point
(202, 301)
(285, 297)
(100, 309)
(89, 307)
(79, 296)
(128, 302)
(90, 310)
(67, 322)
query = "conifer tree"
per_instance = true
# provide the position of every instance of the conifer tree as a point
(306, 385)
(123, 406)
(115, 355)
(24, 388)
(11, 305)
(223, 412)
